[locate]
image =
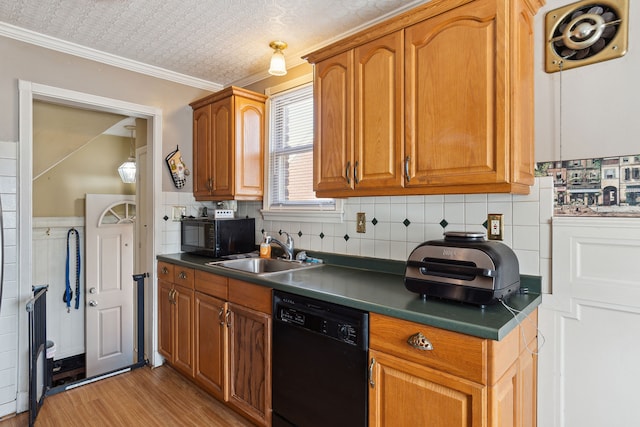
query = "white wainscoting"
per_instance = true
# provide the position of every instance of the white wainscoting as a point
(65, 329)
(589, 368)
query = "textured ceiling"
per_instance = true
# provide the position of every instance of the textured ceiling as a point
(219, 41)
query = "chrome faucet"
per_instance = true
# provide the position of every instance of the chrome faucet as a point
(288, 247)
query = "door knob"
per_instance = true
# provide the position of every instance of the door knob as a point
(92, 290)
(93, 303)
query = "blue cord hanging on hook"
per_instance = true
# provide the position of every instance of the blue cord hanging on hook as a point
(68, 293)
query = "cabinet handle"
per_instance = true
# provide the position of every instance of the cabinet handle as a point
(228, 318)
(371, 382)
(182, 275)
(221, 316)
(172, 296)
(210, 184)
(164, 270)
(406, 168)
(355, 173)
(346, 172)
(420, 342)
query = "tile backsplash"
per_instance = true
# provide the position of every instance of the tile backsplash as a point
(396, 225)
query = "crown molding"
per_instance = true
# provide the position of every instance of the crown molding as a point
(34, 38)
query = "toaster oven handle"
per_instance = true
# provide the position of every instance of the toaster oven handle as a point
(442, 267)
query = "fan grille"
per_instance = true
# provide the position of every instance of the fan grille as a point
(586, 32)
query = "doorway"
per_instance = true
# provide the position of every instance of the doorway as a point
(77, 152)
(149, 184)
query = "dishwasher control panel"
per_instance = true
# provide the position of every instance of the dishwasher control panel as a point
(332, 320)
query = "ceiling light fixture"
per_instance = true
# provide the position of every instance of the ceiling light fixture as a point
(278, 66)
(127, 170)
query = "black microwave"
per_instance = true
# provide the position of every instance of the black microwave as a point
(217, 237)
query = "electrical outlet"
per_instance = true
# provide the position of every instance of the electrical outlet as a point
(495, 226)
(361, 222)
(177, 212)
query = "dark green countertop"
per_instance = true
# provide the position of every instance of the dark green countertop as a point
(377, 286)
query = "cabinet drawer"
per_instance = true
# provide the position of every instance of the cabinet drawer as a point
(165, 271)
(183, 276)
(458, 354)
(211, 284)
(256, 297)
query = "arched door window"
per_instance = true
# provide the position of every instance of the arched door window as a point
(118, 213)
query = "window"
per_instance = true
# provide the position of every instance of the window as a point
(289, 184)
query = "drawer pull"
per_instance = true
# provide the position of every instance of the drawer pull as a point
(420, 342)
(182, 275)
(165, 270)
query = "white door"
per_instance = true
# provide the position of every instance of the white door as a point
(109, 283)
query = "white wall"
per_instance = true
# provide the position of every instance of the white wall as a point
(599, 102)
(588, 368)
(64, 327)
(10, 298)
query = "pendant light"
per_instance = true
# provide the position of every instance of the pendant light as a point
(127, 170)
(277, 66)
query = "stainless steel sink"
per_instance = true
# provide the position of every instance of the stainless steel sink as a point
(263, 266)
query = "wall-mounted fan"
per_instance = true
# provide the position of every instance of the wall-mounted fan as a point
(586, 32)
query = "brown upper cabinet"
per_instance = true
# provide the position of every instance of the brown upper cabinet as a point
(436, 100)
(228, 145)
(360, 150)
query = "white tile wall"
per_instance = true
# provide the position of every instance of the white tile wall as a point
(527, 224)
(10, 299)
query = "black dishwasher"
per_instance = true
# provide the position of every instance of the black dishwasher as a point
(319, 364)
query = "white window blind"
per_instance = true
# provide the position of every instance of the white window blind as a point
(291, 152)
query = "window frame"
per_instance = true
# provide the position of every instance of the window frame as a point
(289, 213)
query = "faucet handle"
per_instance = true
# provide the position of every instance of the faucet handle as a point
(289, 240)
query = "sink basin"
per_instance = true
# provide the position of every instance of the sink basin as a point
(263, 266)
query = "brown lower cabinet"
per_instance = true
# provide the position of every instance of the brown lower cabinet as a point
(460, 381)
(218, 334)
(175, 308)
(250, 363)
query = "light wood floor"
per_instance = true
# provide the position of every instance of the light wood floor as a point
(143, 397)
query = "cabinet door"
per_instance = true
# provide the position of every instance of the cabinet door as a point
(528, 386)
(165, 320)
(202, 156)
(503, 400)
(513, 399)
(379, 76)
(250, 363)
(210, 344)
(333, 143)
(249, 148)
(183, 314)
(455, 99)
(222, 136)
(522, 94)
(408, 394)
